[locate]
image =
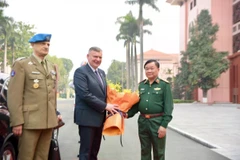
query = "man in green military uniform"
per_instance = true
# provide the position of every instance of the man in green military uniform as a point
(32, 100)
(155, 107)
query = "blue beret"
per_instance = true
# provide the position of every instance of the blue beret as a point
(40, 38)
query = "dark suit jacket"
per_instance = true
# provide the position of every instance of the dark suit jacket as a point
(90, 99)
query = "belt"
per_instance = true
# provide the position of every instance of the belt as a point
(151, 115)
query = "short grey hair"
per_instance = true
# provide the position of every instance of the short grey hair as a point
(97, 49)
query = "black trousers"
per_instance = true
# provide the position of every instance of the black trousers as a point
(90, 142)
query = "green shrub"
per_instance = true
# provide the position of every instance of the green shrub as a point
(63, 95)
(182, 101)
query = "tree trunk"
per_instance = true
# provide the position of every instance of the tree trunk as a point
(13, 54)
(141, 40)
(136, 66)
(141, 53)
(132, 68)
(128, 64)
(5, 57)
(122, 75)
(204, 99)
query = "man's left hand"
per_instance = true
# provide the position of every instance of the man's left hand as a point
(59, 117)
(161, 132)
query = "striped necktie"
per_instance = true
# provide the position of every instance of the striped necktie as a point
(99, 78)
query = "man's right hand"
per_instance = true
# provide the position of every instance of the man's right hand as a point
(17, 130)
(112, 108)
(125, 115)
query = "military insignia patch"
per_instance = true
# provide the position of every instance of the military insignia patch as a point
(35, 85)
(47, 38)
(35, 80)
(33, 72)
(145, 81)
(53, 72)
(164, 80)
(157, 89)
(13, 73)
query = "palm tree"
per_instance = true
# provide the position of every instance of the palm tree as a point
(2, 5)
(151, 3)
(13, 40)
(5, 32)
(24, 33)
(129, 32)
(18, 45)
(128, 27)
(146, 22)
(126, 39)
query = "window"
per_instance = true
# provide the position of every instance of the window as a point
(189, 29)
(234, 29)
(236, 42)
(195, 3)
(236, 12)
(189, 33)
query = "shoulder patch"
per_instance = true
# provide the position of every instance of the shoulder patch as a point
(13, 73)
(164, 80)
(20, 58)
(144, 81)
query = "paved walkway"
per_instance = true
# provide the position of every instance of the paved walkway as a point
(216, 126)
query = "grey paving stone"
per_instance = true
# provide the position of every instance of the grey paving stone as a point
(216, 125)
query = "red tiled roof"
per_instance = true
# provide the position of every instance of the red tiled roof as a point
(153, 54)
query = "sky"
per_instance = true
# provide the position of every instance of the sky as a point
(77, 25)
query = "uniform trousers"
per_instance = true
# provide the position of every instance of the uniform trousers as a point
(34, 144)
(148, 135)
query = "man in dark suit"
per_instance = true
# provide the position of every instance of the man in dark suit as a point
(90, 110)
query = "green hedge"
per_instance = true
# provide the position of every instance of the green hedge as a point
(63, 95)
(182, 101)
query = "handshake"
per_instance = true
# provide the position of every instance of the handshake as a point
(113, 109)
(125, 115)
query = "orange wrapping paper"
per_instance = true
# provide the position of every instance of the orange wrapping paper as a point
(114, 125)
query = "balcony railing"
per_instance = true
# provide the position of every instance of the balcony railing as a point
(175, 2)
(236, 13)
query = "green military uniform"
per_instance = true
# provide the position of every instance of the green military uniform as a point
(32, 103)
(155, 98)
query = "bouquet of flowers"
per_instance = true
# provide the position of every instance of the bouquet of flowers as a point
(114, 124)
